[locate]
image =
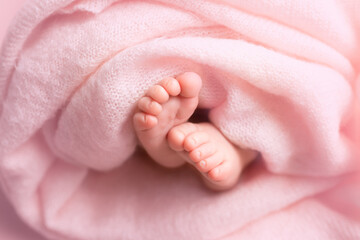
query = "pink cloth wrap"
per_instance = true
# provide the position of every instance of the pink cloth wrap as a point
(278, 77)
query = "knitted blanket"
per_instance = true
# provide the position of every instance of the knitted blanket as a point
(278, 76)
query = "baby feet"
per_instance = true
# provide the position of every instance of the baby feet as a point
(161, 124)
(165, 105)
(214, 156)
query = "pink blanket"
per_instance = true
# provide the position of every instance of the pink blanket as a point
(280, 77)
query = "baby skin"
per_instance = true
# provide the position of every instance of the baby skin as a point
(162, 126)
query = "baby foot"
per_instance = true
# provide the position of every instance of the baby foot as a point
(218, 160)
(165, 105)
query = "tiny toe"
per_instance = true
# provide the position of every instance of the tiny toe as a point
(190, 84)
(144, 121)
(171, 85)
(210, 163)
(158, 93)
(203, 151)
(149, 106)
(216, 174)
(177, 135)
(222, 172)
(195, 139)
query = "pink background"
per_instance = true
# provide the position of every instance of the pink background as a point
(11, 227)
(7, 12)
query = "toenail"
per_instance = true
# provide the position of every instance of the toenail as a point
(202, 163)
(193, 141)
(198, 154)
(169, 83)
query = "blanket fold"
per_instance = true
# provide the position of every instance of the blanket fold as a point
(279, 78)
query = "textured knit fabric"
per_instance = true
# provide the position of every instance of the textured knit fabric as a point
(280, 77)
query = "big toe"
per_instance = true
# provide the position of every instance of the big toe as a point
(190, 84)
(176, 136)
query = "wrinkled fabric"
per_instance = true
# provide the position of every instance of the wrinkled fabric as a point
(278, 77)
